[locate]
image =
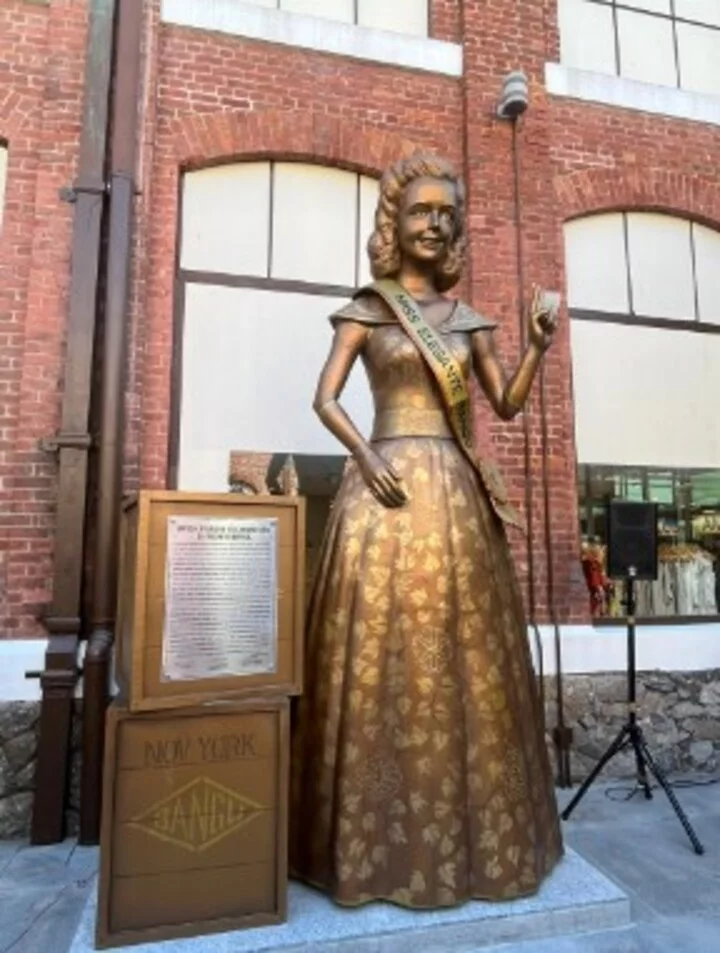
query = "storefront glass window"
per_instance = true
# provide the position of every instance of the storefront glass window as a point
(688, 501)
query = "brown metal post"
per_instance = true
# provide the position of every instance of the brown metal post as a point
(125, 121)
(72, 443)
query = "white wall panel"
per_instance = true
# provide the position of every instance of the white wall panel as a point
(250, 364)
(647, 50)
(707, 264)
(596, 264)
(704, 11)
(661, 266)
(314, 215)
(587, 38)
(226, 219)
(369, 189)
(342, 10)
(699, 50)
(655, 6)
(645, 396)
(398, 16)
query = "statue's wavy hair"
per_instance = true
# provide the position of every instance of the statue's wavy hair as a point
(384, 247)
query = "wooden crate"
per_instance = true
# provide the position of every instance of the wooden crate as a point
(171, 637)
(194, 826)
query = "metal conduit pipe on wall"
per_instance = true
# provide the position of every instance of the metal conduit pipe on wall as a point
(73, 442)
(123, 155)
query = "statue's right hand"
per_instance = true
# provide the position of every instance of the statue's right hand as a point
(382, 480)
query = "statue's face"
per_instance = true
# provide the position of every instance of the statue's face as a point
(427, 219)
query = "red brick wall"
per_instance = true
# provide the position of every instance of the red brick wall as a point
(210, 97)
(41, 77)
(223, 97)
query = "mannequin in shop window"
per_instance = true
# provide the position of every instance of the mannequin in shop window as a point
(420, 771)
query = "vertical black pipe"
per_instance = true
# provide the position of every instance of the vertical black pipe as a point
(527, 456)
(72, 443)
(124, 123)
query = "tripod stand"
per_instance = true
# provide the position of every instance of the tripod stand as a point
(631, 734)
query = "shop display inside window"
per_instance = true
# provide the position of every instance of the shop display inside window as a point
(688, 582)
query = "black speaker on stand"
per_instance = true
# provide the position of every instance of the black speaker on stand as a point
(632, 554)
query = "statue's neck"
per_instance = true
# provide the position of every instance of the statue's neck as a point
(418, 282)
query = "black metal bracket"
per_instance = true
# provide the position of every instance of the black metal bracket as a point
(66, 441)
(70, 193)
(61, 677)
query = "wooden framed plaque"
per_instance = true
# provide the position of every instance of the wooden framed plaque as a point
(194, 826)
(211, 598)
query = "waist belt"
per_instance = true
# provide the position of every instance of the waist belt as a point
(411, 422)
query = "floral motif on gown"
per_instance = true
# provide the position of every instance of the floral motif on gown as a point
(419, 768)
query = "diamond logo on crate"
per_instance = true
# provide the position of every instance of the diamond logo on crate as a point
(198, 815)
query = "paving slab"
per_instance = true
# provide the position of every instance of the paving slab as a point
(657, 864)
(577, 899)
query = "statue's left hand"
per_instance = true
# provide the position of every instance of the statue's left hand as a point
(543, 319)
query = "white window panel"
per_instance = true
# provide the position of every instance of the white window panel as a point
(645, 396)
(647, 50)
(654, 6)
(661, 267)
(368, 202)
(707, 268)
(699, 50)
(587, 36)
(342, 10)
(3, 177)
(226, 219)
(398, 16)
(314, 224)
(596, 264)
(250, 360)
(704, 11)
(268, 4)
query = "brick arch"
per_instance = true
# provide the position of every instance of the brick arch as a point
(15, 110)
(203, 140)
(592, 191)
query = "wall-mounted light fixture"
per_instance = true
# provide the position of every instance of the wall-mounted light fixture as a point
(515, 96)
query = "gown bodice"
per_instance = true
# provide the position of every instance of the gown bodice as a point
(406, 397)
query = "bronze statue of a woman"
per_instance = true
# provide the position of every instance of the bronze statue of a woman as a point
(420, 773)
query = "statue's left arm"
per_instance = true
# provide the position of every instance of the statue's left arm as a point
(508, 397)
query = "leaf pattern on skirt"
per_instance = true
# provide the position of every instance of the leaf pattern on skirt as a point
(419, 768)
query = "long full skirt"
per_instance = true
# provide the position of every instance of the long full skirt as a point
(419, 768)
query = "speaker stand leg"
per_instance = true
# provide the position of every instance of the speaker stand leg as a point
(617, 745)
(663, 782)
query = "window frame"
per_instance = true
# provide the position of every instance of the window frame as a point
(356, 18)
(682, 503)
(184, 277)
(632, 317)
(673, 18)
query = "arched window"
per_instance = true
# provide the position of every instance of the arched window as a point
(637, 263)
(399, 16)
(267, 251)
(644, 295)
(664, 42)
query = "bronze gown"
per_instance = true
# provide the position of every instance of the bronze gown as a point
(419, 768)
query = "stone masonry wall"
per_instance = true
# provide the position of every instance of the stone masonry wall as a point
(679, 713)
(18, 751)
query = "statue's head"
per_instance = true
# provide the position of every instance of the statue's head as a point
(420, 215)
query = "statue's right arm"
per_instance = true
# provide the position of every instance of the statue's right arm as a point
(348, 342)
(379, 475)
